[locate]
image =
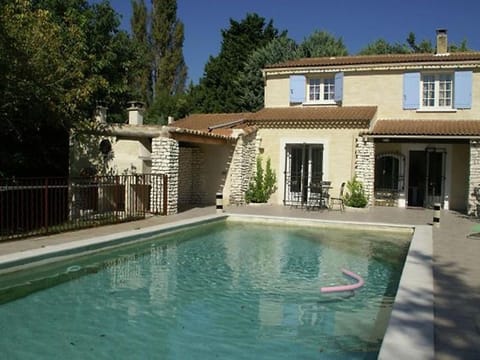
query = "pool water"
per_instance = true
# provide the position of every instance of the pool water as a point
(220, 290)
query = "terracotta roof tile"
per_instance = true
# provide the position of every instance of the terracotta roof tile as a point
(203, 121)
(427, 127)
(377, 59)
(315, 113)
(223, 124)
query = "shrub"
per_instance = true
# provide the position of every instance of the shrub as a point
(263, 184)
(355, 194)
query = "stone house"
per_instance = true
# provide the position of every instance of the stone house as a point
(407, 126)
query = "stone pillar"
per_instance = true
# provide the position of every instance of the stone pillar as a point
(165, 160)
(474, 178)
(242, 166)
(365, 165)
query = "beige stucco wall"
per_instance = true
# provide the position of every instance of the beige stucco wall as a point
(128, 156)
(382, 89)
(338, 155)
(215, 170)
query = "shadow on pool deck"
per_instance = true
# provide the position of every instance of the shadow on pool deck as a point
(455, 259)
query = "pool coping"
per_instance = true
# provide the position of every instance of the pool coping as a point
(410, 331)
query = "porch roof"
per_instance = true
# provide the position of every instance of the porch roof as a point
(446, 128)
(315, 116)
(219, 126)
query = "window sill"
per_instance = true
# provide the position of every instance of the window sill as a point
(437, 110)
(316, 103)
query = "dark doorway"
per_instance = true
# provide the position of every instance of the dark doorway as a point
(426, 177)
(416, 178)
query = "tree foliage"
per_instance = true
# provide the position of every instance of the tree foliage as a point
(59, 59)
(249, 86)
(161, 72)
(322, 43)
(410, 45)
(216, 91)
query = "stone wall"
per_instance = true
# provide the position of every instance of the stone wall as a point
(242, 167)
(474, 178)
(365, 165)
(165, 160)
(191, 178)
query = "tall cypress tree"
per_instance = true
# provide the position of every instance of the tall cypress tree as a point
(142, 79)
(167, 35)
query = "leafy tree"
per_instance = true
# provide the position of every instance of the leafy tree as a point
(59, 59)
(425, 46)
(249, 86)
(381, 46)
(216, 90)
(321, 43)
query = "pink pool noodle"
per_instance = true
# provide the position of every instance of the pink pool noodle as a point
(350, 287)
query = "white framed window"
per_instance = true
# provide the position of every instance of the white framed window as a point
(321, 90)
(437, 91)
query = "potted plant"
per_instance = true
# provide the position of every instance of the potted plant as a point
(355, 194)
(263, 184)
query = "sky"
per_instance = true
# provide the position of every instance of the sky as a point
(358, 23)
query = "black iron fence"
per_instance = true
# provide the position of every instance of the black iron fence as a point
(39, 206)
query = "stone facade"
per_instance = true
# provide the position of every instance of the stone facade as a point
(474, 179)
(165, 160)
(365, 165)
(241, 168)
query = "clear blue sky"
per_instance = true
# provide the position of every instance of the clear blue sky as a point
(356, 22)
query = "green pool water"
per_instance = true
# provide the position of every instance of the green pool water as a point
(220, 290)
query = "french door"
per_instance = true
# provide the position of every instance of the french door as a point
(426, 180)
(303, 167)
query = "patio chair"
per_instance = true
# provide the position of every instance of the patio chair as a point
(338, 201)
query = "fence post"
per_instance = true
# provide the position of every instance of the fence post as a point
(436, 214)
(45, 205)
(219, 202)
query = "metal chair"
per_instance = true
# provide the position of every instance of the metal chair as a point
(338, 200)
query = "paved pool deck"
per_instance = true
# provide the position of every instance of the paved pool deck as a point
(456, 261)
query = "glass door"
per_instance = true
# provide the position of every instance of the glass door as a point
(303, 167)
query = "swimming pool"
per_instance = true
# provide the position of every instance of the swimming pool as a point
(236, 291)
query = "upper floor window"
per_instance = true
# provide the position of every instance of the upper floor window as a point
(437, 91)
(321, 90)
(316, 90)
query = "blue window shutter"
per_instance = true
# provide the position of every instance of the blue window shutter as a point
(338, 87)
(411, 90)
(297, 88)
(462, 91)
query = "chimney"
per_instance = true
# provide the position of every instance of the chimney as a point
(135, 112)
(170, 120)
(442, 42)
(101, 114)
